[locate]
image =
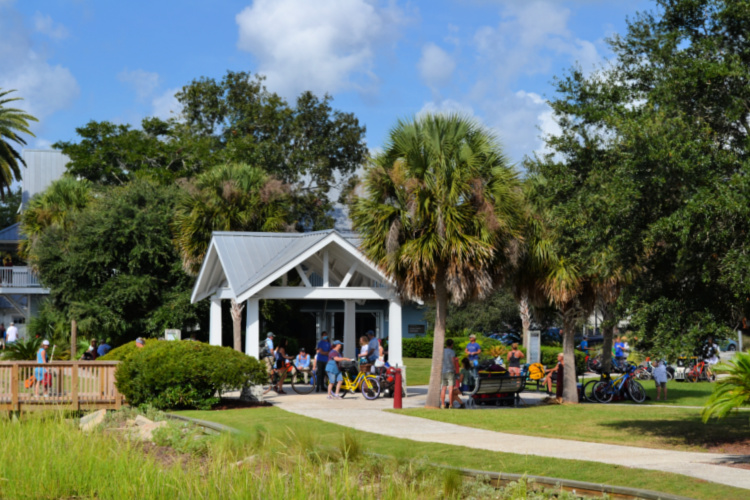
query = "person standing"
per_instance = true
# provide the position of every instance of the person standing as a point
(321, 358)
(584, 345)
(269, 352)
(332, 368)
(373, 348)
(660, 379)
(41, 373)
(514, 360)
(473, 350)
(448, 377)
(619, 352)
(2, 334)
(11, 334)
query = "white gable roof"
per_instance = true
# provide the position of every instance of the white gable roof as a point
(247, 262)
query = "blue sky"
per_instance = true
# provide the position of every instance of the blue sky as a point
(80, 60)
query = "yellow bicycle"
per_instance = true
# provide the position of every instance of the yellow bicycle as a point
(367, 383)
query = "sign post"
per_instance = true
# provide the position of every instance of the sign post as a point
(534, 349)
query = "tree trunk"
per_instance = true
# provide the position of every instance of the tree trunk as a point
(73, 339)
(237, 324)
(608, 334)
(438, 342)
(525, 312)
(570, 387)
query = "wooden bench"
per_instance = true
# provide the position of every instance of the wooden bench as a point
(497, 388)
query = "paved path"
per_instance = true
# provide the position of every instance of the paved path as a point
(355, 412)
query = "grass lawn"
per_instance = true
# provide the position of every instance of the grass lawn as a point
(666, 428)
(417, 371)
(284, 427)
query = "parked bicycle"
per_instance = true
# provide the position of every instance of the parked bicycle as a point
(700, 370)
(367, 383)
(623, 386)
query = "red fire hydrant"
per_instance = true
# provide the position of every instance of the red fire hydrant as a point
(397, 390)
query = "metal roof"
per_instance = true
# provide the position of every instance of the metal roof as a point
(246, 262)
(12, 234)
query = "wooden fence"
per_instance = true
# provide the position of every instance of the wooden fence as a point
(64, 385)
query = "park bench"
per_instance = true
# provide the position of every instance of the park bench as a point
(497, 388)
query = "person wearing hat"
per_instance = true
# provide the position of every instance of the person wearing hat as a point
(40, 373)
(332, 368)
(473, 350)
(139, 342)
(93, 349)
(321, 359)
(302, 363)
(103, 348)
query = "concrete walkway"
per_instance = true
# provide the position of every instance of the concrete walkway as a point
(356, 412)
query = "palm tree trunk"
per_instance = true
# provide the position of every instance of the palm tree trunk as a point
(73, 338)
(608, 334)
(570, 387)
(237, 324)
(438, 344)
(525, 312)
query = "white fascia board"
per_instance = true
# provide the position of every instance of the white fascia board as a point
(325, 293)
(332, 237)
(195, 296)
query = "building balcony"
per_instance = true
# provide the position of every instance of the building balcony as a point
(18, 277)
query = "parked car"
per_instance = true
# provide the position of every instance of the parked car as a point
(551, 336)
(510, 337)
(728, 345)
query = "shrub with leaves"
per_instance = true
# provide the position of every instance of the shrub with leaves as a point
(184, 374)
(730, 392)
(22, 349)
(124, 352)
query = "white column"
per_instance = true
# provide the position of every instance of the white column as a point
(252, 328)
(394, 333)
(350, 335)
(214, 331)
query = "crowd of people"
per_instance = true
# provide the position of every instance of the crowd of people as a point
(328, 358)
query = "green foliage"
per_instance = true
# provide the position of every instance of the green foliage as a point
(22, 349)
(9, 208)
(549, 354)
(184, 374)
(730, 392)
(114, 268)
(13, 123)
(497, 312)
(421, 347)
(183, 438)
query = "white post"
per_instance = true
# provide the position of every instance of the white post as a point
(325, 269)
(394, 333)
(350, 335)
(214, 331)
(252, 328)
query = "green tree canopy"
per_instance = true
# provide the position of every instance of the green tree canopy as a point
(440, 214)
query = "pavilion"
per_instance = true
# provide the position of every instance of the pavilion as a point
(323, 267)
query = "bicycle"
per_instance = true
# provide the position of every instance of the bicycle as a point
(302, 386)
(605, 390)
(367, 383)
(700, 371)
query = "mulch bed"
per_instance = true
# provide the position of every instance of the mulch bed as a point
(236, 404)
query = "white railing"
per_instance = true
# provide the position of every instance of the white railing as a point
(18, 276)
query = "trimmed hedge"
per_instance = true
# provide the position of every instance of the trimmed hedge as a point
(170, 375)
(124, 351)
(421, 347)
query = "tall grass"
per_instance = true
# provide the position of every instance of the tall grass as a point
(48, 457)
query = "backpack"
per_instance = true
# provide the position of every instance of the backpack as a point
(536, 371)
(264, 350)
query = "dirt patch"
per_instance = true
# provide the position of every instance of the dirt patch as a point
(236, 404)
(739, 447)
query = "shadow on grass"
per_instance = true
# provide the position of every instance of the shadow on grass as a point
(731, 433)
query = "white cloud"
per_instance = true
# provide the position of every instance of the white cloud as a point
(144, 83)
(436, 66)
(323, 46)
(166, 105)
(45, 87)
(46, 26)
(446, 106)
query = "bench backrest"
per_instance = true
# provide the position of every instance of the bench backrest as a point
(489, 384)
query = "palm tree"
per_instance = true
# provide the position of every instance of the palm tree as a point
(230, 197)
(730, 392)
(12, 122)
(55, 207)
(441, 216)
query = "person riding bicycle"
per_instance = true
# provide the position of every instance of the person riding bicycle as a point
(710, 351)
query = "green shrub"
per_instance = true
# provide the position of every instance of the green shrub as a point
(421, 347)
(22, 349)
(549, 358)
(125, 351)
(184, 374)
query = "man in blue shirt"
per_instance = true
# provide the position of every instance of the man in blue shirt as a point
(321, 358)
(103, 348)
(473, 350)
(584, 345)
(302, 363)
(373, 347)
(269, 358)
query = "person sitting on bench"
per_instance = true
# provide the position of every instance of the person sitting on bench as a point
(557, 373)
